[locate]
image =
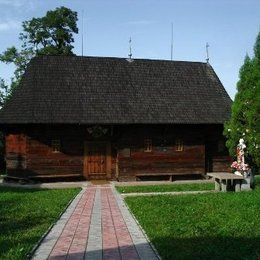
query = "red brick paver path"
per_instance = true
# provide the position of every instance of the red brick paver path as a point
(72, 241)
(113, 242)
(116, 237)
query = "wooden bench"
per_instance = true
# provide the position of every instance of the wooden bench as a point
(43, 177)
(55, 177)
(21, 180)
(223, 179)
(170, 174)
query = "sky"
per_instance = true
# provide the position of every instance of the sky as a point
(229, 26)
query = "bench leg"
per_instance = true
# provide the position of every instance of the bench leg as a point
(224, 185)
(217, 185)
(170, 179)
(237, 185)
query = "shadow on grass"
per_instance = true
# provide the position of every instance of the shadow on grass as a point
(20, 189)
(21, 235)
(171, 248)
(208, 248)
(20, 225)
(23, 248)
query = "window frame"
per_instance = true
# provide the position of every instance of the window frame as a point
(179, 145)
(56, 145)
(148, 145)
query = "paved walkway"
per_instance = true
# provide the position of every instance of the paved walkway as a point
(50, 185)
(96, 225)
(150, 183)
(173, 193)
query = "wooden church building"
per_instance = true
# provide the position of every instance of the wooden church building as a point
(115, 118)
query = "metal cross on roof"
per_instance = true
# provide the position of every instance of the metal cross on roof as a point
(130, 49)
(207, 52)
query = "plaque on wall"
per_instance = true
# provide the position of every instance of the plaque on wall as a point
(125, 152)
(163, 148)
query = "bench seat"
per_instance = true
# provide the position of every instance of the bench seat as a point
(170, 174)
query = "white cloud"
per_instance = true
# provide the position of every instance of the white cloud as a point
(8, 25)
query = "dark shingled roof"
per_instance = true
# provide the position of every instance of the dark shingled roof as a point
(99, 90)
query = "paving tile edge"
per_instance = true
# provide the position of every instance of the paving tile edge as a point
(45, 234)
(116, 193)
(172, 193)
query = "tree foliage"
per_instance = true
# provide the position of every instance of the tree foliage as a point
(19, 60)
(4, 92)
(51, 34)
(245, 120)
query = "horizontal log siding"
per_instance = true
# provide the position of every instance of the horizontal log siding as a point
(29, 152)
(15, 154)
(221, 163)
(163, 158)
(41, 160)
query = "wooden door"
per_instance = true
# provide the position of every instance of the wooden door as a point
(97, 160)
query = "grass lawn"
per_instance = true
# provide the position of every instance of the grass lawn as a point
(166, 187)
(204, 226)
(25, 214)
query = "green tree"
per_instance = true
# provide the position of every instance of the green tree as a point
(245, 121)
(51, 34)
(20, 61)
(4, 92)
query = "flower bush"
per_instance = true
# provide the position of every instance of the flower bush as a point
(240, 167)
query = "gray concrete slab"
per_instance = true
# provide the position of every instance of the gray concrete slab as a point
(173, 193)
(51, 185)
(144, 183)
(94, 244)
(144, 248)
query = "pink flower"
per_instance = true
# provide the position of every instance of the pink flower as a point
(235, 165)
(245, 167)
(240, 167)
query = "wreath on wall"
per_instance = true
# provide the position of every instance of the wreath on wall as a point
(97, 131)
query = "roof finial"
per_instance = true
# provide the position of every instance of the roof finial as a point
(130, 48)
(129, 59)
(171, 40)
(207, 52)
(82, 34)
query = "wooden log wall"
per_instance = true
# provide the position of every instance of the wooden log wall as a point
(15, 153)
(164, 158)
(221, 163)
(217, 158)
(42, 160)
(29, 150)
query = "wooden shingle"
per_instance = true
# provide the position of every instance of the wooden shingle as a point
(99, 90)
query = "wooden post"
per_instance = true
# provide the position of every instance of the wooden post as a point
(85, 164)
(237, 185)
(117, 167)
(217, 185)
(108, 159)
(224, 185)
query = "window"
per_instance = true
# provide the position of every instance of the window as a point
(179, 145)
(147, 145)
(55, 145)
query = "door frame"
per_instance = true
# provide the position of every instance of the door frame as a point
(107, 144)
